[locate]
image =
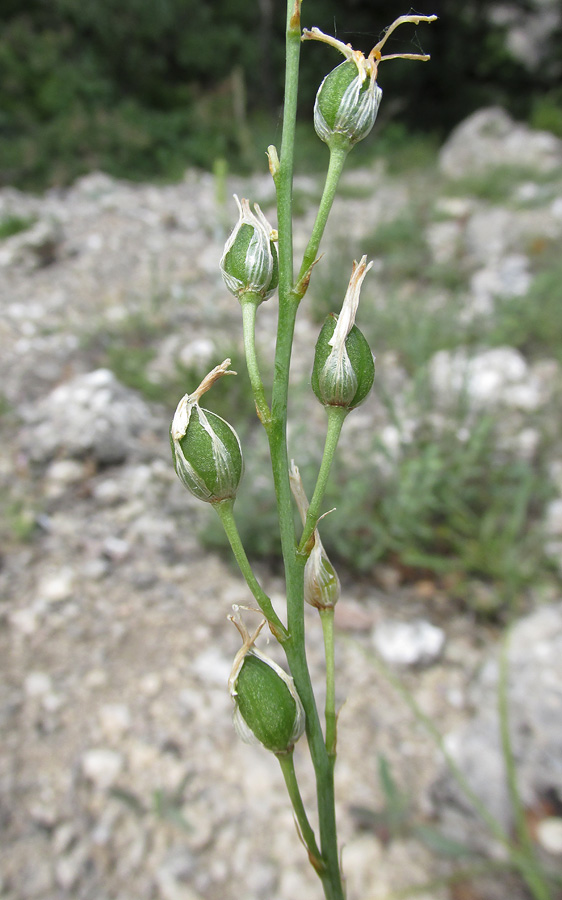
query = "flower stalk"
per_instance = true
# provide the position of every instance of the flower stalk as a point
(271, 705)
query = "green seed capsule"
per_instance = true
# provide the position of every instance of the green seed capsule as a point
(342, 375)
(206, 452)
(249, 264)
(346, 105)
(268, 709)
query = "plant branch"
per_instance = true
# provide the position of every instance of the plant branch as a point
(287, 764)
(250, 304)
(338, 156)
(327, 620)
(336, 418)
(224, 508)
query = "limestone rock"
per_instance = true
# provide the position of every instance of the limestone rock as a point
(91, 415)
(490, 138)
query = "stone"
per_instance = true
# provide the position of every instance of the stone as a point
(35, 247)
(102, 766)
(90, 415)
(549, 835)
(174, 875)
(493, 378)
(115, 719)
(490, 138)
(553, 518)
(57, 586)
(535, 718)
(510, 277)
(415, 643)
(37, 684)
(68, 868)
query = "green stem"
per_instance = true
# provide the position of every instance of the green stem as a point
(277, 434)
(338, 156)
(287, 764)
(336, 418)
(250, 303)
(327, 620)
(284, 180)
(224, 509)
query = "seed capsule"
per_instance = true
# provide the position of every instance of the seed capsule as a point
(322, 587)
(348, 99)
(268, 709)
(346, 105)
(249, 264)
(205, 448)
(344, 368)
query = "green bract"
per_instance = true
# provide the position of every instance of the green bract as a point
(346, 105)
(207, 454)
(344, 375)
(268, 709)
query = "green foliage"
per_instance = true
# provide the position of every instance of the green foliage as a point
(449, 506)
(533, 322)
(546, 113)
(14, 225)
(496, 185)
(143, 89)
(18, 517)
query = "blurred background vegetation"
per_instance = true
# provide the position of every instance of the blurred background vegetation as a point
(144, 88)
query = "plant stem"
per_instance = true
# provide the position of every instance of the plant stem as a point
(224, 508)
(277, 434)
(287, 764)
(336, 418)
(327, 620)
(250, 303)
(338, 156)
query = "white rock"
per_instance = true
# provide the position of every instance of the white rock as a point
(549, 835)
(491, 138)
(174, 875)
(493, 377)
(35, 247)
(25, 620)
(92, 414)
(510, 277)
(150, 684)
(37, 684)
(553, 518)
(212, 667)
(58, 586)
(409, 643)
(444, 239)
(69, 868)
(116, 548)
(102, 766)
(65, 472)
(115, 719)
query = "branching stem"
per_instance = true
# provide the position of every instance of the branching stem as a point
(250, 303)
(336, 418)
(224, 508)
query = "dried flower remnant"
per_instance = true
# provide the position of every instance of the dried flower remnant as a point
(348, 99)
